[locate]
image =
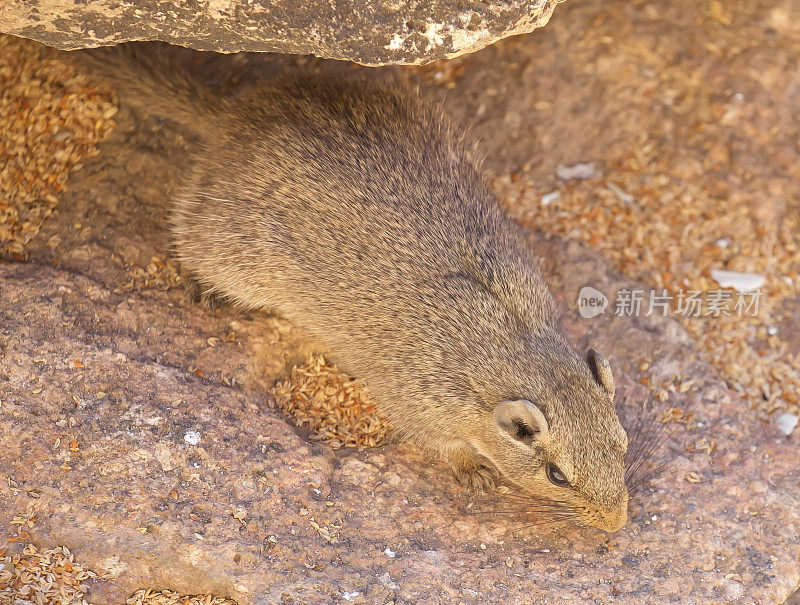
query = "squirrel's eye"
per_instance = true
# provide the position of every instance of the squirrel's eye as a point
(556, 476)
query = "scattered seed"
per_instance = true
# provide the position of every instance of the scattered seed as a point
(147, 596)
(51, 120)
(47, 576)
(336, 408)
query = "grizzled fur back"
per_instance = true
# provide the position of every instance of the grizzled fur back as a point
(361, 208)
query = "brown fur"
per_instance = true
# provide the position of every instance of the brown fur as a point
(359, 213)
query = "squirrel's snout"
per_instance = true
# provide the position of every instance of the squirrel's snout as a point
(612, 521)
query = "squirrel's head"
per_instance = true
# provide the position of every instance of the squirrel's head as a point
(560, 440)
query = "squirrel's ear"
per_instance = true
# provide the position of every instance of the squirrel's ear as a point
(602, 371)
(520, 420)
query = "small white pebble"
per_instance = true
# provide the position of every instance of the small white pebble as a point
(549, 198)
(545, 550)
(742, 282)
(723, 243)
(389, 552)
(192, 437)
(349, 596)
(654, 518)
(576, 171)
(483, 546)
(772, 330)
(387, 581)
(787, 423)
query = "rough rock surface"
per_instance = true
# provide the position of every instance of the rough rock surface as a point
(370, 32)
(97, 400)
(100, 388)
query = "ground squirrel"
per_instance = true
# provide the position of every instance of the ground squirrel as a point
(360, 213)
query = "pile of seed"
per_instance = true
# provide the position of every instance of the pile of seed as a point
(169, 597)
(48, 576)
(51, 120)
(336, 408)
(53, 576)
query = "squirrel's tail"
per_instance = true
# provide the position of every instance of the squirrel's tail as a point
(154, 78)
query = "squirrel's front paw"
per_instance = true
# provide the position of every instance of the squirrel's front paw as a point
(196, 293)
(473, 470)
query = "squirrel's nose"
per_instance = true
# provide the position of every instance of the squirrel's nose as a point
(614, 524)
(614, 520)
